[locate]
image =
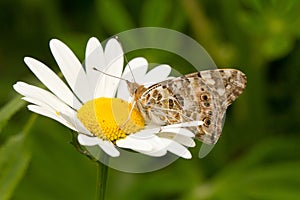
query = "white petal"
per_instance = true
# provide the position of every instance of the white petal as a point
(158, 74)
(114, 60)
(40, 96)
(184, 140)
(48, 113)
(52, 82)
(43, 109)
(113, 52)
(94, 58)
(107, 85)
(177, 149)
(180, 131)
(148, 131)
(134, 143)
(106, 146)
(80, 127)
(71, 69)
(87, 141)
(72, 118)
(123, 91)
(156, 153)
(36, 102)
(185, 124)
(136, 69)
(109, 148)
(158, 147)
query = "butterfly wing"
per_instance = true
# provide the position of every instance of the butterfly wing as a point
(201, 96)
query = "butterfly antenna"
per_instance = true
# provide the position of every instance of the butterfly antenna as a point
(126, 60)
(129, 68)
(129, 115)
(94, 68)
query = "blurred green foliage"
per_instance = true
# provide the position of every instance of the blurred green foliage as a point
(258, 156)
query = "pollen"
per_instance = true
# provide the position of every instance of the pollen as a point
(57, 113)
(110, 118)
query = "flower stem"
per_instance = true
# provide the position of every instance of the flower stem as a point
(102, 170)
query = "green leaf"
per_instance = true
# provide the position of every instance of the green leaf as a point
(14, 160)
(9, 110)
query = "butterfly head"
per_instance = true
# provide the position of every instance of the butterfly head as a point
(135, 89)
(132, 87)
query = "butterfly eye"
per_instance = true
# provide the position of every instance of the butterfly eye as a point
(204, 97)
(207, 121)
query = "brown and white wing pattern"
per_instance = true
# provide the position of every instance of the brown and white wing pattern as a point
(201, 96)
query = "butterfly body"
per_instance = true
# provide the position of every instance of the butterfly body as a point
(200, 96)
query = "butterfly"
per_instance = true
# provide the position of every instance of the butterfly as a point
(200, 96)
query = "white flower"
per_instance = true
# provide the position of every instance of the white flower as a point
(91, 93)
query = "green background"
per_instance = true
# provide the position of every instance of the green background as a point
(258, 155)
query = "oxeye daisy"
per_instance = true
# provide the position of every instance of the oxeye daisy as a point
(96, 105)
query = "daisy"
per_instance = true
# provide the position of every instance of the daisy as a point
(88, 105)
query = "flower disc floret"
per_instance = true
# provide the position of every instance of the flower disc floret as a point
(108, 118)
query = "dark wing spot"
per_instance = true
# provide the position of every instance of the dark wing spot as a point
(206, 121)
(179, 98)
(159, 96)
(186, 79)
(154, 94)
(147, 97)
(171, 104)
(204, 97)
(188, 113)
(177, 116)
(151, 102)
(206, 104)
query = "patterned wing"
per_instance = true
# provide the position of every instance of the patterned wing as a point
(201, 101)
(201, 96)
(158, 105)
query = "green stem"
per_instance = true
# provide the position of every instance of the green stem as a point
(101, 178)
(101, 168)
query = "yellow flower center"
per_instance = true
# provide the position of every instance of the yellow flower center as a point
(108, 118)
